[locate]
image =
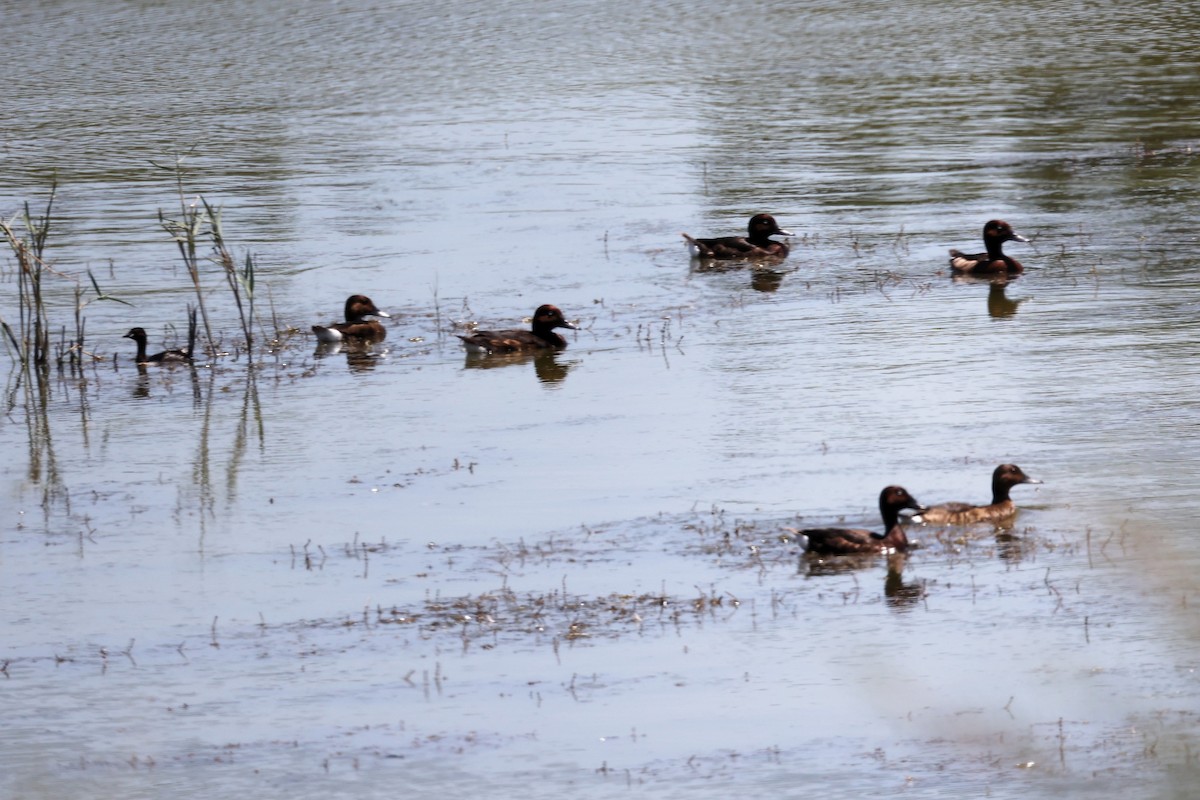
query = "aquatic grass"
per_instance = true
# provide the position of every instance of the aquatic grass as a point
(186, 232)
(240, 283)
(198, 221)
(437, 308)
(30, 345)
(30, 341)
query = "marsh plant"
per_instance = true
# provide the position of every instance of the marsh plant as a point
(30, 340)
(200, 222)
(197, 233)
(36, 338)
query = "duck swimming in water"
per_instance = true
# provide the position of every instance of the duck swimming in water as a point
(165, 357)
(1004, 478)
(541, 335)
(850, 541)
(356, 327)
(995, 233)
(757, 243)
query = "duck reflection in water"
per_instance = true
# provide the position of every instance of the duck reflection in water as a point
(842, 565)
(999, 304)
(1012, 548)
(361, 356)
(763, 277)
(168, 379)
(898, 594)
(547, 364)
(141, 387)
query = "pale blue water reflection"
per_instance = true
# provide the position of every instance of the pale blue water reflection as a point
(245, 532)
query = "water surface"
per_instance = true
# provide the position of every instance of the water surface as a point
(319, 574)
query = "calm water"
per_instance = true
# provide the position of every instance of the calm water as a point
(313, 576)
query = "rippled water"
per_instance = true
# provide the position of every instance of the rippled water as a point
(319, 575)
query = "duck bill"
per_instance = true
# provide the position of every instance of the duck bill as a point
(1016, 237)
(782, 232)
(1031, 480)
(378, 313)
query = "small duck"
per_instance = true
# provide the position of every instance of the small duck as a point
(1004, 478)
(356, 326)
(849, 541)
(165, 357)
(995, 233)
(756, 244)
(545, 319)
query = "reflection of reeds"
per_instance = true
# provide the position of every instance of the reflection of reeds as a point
(250, 428)
(30, 344)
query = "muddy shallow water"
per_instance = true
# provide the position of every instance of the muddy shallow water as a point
(313, 574)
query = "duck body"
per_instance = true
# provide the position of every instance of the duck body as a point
(364, 331)
(356, 327)
(1004, 478)
(165, 357)
(851, 541)
(756, 244)
(540, 336)
(992, 262)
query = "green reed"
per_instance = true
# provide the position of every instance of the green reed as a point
(31, 339)
(198, 222)
(241, 283)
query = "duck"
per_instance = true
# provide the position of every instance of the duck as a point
(851, 541)
(165, 357)
(1004, 477)
(356, 326)
(545, 319)
(757, 242)
(995, 233)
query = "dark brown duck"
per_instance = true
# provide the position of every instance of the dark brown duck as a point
(850, 541)
(1004, 478)
(757, 243)
(540, 336)
(165, 357)
(357, 325)
(992, 262)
